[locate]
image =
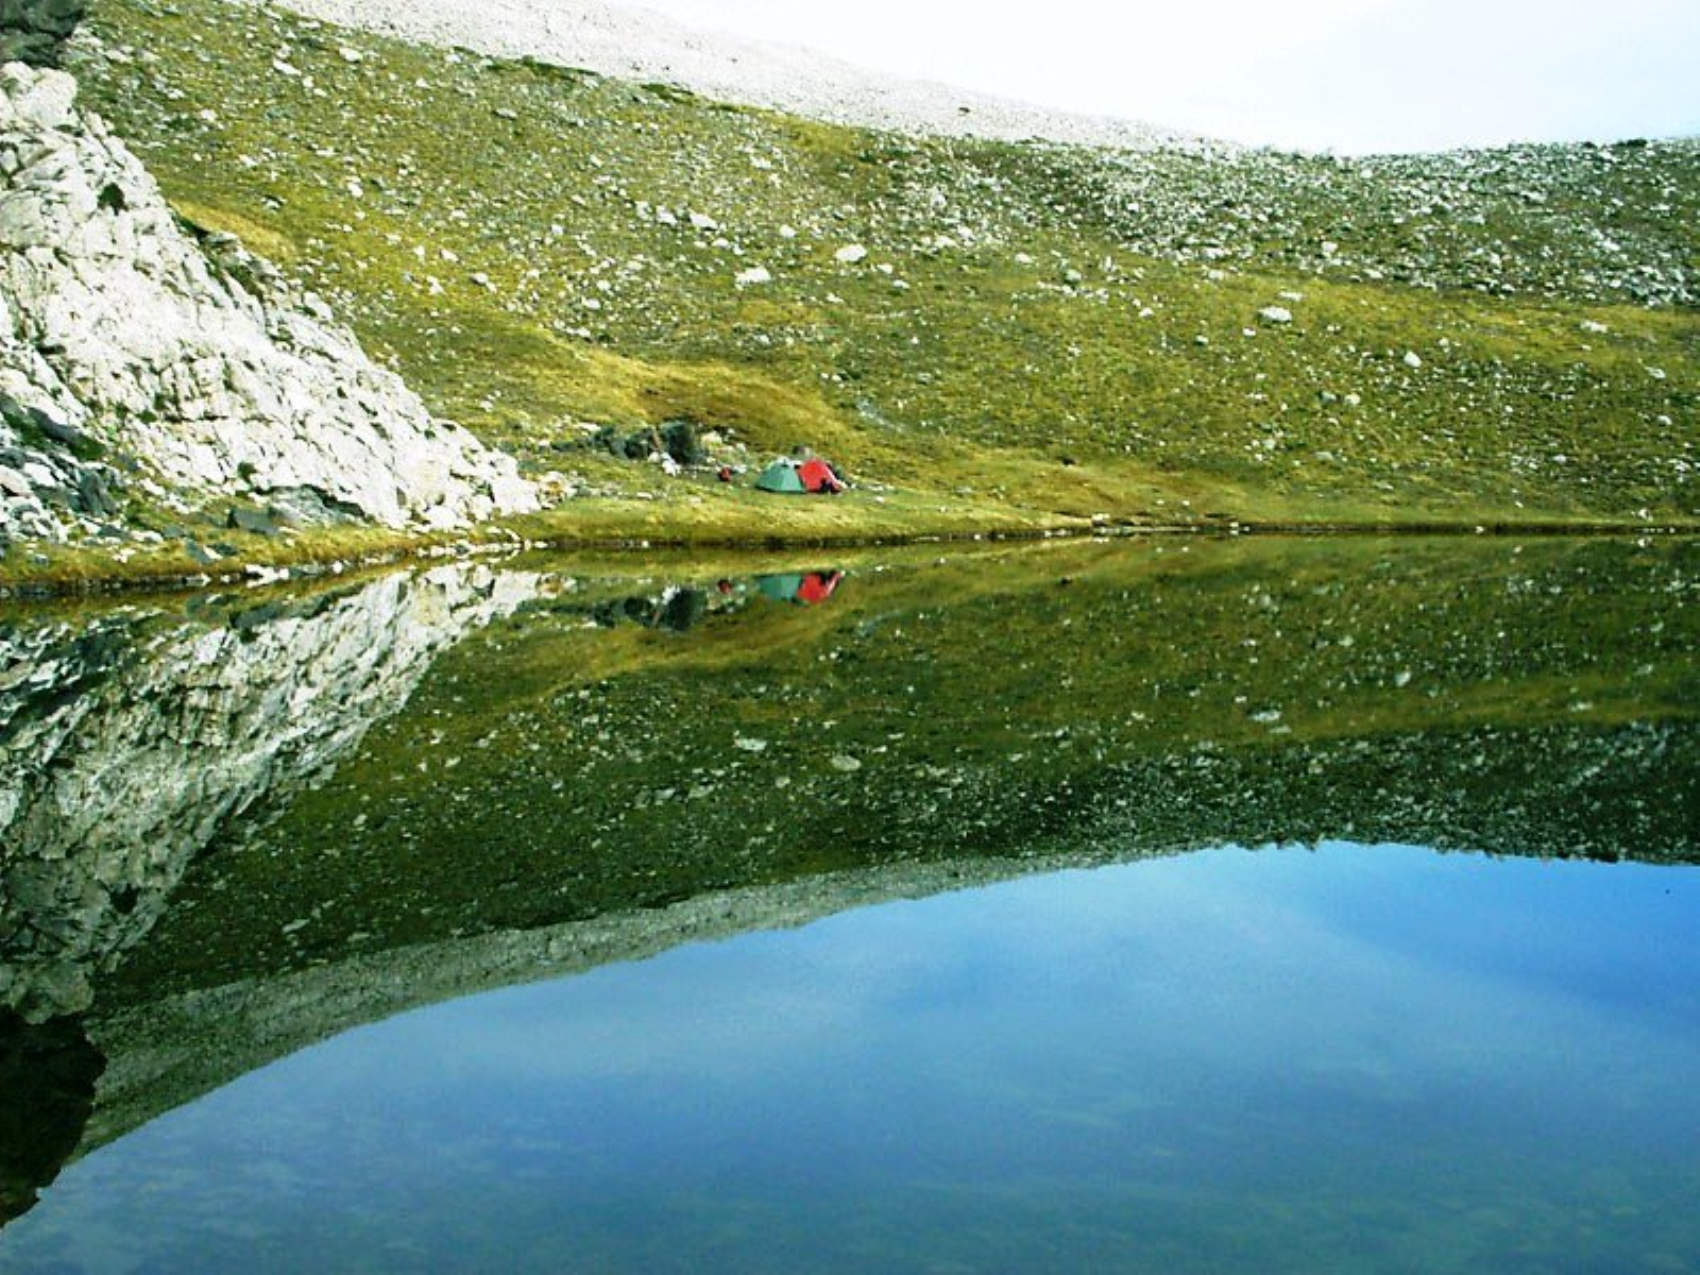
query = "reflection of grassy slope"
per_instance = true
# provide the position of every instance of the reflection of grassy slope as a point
(491, 228)
(1458, 693)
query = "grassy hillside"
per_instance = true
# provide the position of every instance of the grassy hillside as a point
(997, 333)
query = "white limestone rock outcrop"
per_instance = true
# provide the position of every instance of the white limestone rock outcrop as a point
(183, 354)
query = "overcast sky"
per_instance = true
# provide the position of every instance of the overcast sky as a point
(1351, 75)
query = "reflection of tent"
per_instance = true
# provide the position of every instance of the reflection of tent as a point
(796, 477)
(817, 587)
(781, 476)
(779, 588)
(807, 589)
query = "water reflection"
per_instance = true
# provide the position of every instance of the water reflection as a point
(681, 608)
(47, 1081)
(128, 744)
(232, 829)
(1367, 1058)
(809, 588)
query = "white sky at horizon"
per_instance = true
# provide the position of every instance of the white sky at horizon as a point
(1348, 75)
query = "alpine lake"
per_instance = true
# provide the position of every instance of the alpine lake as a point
(1180, 903)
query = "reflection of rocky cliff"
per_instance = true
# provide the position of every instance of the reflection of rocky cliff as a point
(123, 753)
(47, 1085)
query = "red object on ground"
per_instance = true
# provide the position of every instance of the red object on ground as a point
(817, 587)
(817, 475)
(725, 474)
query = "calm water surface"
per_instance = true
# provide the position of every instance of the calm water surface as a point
(873, 916)
(1282, 1060)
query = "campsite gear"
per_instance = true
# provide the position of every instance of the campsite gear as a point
(794, 477)
(820, 477)
(781, 476)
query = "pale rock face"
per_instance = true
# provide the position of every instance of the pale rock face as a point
(194, 357)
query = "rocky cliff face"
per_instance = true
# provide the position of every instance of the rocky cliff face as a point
(123, 754)
(134, 348)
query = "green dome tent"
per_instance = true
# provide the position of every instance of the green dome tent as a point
(781, 476)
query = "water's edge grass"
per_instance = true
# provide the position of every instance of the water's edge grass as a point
(58, 572)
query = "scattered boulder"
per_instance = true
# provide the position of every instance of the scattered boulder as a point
(682, 441)
(258, 522)
(678, 441)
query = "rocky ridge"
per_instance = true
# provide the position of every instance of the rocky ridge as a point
(140, 355)
(1516, 220)
(35, 31)
(632, 43)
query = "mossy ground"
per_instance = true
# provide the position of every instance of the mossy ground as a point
(1035, 335)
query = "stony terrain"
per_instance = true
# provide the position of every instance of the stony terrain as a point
(1172, 195)
(141, 364)
(529, 213)
(630, 42)
(983, 333)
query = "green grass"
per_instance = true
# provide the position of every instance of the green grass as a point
(1021, 307)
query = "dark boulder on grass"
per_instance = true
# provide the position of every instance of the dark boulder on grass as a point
(683, 442)
(256, 522)
(680, 441)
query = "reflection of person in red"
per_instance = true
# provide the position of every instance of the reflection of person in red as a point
(818, 586)
(820, 478)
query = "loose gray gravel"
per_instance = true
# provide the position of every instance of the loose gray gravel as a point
(638, 44)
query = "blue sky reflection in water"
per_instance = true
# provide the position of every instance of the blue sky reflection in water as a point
(1284, 1060)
